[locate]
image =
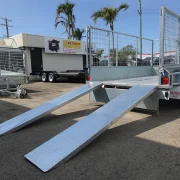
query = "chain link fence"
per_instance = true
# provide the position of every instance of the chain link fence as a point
(170, 37)
(119, 49)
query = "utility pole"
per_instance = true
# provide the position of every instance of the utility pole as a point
(140, 16)
(6, 24)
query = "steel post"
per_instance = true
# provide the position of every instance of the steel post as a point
(178, 43)
(89, 48)
(109, 48)
(162, 18)
(9, 62)
(87, 40)
(137, 44)
(117, 51)
(140, 18)
(152, 55)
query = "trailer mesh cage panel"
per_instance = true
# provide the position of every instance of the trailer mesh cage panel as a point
(170, 37)
(12, 62)
(118, 49)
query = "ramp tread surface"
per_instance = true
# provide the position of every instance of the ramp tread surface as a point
(44, 109)
(63, 146)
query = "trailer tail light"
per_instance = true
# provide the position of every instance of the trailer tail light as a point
(88, 78)
(165, 81)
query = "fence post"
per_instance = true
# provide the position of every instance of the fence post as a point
(0, 65)
(25, 62)
(108, 48)
(152, 55)
(117, 51)
(137, 50)
(161, 59)
(9, 61)
(178, 43)
(87, 54)
(89, 48)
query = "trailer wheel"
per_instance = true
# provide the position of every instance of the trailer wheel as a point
(51, 77)
(44, 77)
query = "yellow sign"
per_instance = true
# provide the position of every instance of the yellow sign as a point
(68, 44)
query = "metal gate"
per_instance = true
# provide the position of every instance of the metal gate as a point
(169, 37)
(109, 48)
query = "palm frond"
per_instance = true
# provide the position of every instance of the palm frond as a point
(97, 15)
(78, 34)
(65, 17)
(63, 23)
(60, 20)
(122, 6)
(61, 17)
(60, 9)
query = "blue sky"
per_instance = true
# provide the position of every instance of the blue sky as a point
(37, 16)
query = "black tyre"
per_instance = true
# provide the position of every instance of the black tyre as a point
(44, 77)
(51, 77)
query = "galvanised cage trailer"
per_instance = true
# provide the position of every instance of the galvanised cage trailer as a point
(138, 83)
(12, 71)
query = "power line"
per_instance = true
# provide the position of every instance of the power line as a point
(7, 26)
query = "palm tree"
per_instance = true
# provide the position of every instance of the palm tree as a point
(65, 17)
(78, 34)
(109, 15)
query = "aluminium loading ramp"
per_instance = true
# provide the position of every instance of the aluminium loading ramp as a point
(66, 144)
(28, 117)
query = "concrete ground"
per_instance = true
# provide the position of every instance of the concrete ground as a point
(140, 146)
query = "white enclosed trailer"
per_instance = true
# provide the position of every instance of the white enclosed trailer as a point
(52, 57)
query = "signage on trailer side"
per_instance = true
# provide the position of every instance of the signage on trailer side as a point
(64, 46)
(70, 46)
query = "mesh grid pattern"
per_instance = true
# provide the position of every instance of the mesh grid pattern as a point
(12, 63)
(119, 49)
(171, 38)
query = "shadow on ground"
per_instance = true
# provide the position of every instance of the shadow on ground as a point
(32, 91)
(60, 80)
(117, 154)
